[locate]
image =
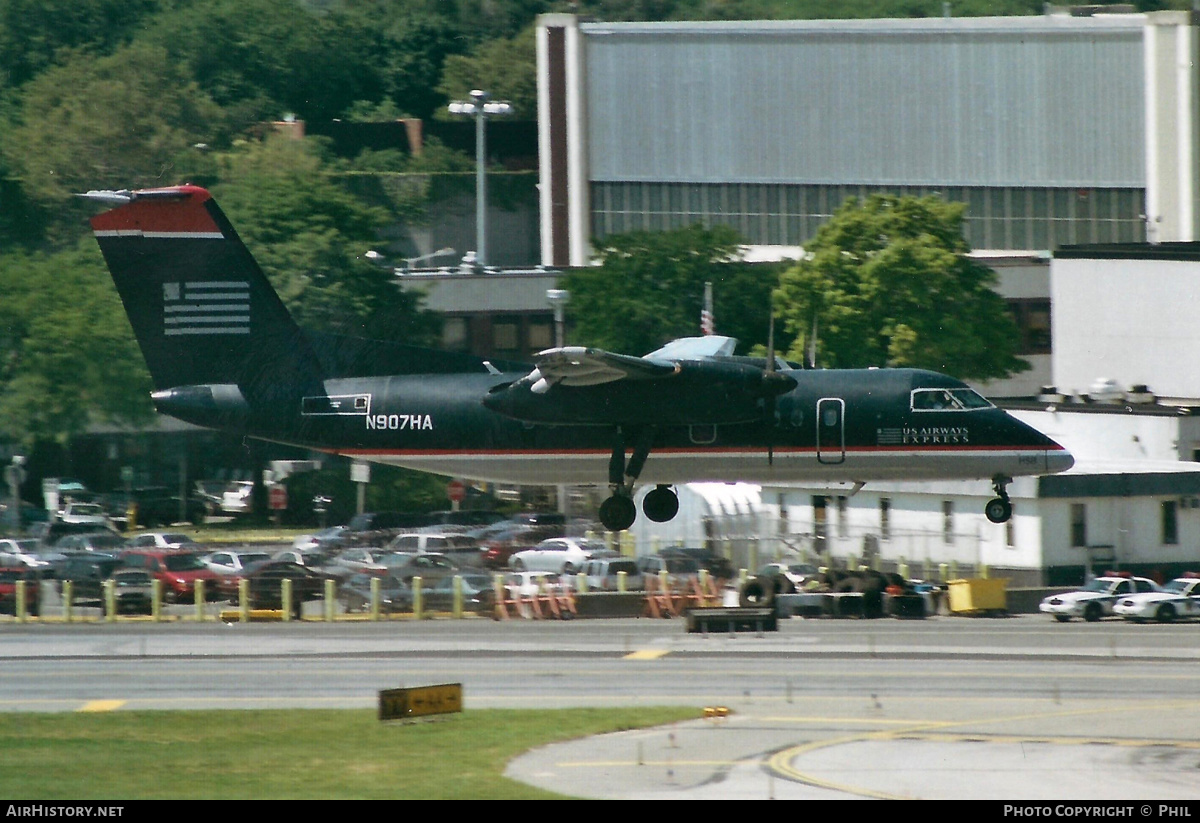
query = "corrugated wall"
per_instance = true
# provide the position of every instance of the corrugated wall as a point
(1039, 101)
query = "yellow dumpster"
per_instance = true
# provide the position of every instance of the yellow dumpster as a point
(978, 594)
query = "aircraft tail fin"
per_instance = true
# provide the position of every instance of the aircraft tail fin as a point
(201, 308)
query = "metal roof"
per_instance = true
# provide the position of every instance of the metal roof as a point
(1013, 101)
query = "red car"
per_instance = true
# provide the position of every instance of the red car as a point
(8, 590)
(178, 570)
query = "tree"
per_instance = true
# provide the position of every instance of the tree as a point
(121, 121)
(649, 289)
(888, 282)
(310, 236)
(507, 69)
(68, 354)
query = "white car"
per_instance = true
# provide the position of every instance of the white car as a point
(161, 540)
(14, 552)
(1096, 599)
(559, 555)
(85, 513)
(230, 562)
(1179, 598)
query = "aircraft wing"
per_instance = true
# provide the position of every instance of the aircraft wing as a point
(580, 366)
(689, 381)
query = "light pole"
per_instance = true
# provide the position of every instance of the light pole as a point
(558, 299)
(481, 107)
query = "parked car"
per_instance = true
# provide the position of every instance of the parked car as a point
(51, 532)
(1096, 599)
(330, 540)
(501, 546)
(358, 559)
(464, 550)
(604, 574)
(265, 584)
(678, 568)
(162, 540)
(377, 528)
(1178, 598)
(238, 497)
(9, 577)
(179, 572)
(105, 541)
(21, 552)
(133, 591)
(86, 513)
(717, 564)
(478, 593)
(394, 596)
(561, 555)
(232, 561)
(87, 572)
(429, 567)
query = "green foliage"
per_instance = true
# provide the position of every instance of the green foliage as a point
(889, 283)
(310, 236)
(390, 489)
(111, 122)
(649, 289)
(34, 33)
(259, 755)
(66, 351)
(506, 68)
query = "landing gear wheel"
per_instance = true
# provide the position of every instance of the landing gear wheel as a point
(617, 513)
(999, 510)
(661, 504)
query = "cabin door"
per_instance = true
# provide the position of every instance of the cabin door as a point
(831, 430)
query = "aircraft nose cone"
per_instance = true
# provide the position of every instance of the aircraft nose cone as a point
(1058, 460)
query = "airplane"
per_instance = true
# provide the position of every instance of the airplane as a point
(224, 353)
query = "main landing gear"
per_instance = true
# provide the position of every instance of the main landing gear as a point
(999, 509)
(618, 512)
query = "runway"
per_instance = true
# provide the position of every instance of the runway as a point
(947, 707)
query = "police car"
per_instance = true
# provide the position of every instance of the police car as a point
(1097, 598)
(1179, 598)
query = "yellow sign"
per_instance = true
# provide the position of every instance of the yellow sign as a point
(398, 704)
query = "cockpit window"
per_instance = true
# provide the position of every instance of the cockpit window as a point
(948, 400)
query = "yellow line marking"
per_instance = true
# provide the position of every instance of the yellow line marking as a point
(102, 705)
(648, 654)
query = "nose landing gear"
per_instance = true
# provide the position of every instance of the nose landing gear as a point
(999, 509)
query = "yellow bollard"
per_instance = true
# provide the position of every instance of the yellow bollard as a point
(418, 599)
(68, 599)
(330, 600)
(155, 599)
(21, 606)
(108, 589)
(285, 597)
(200, 600)
(622, 581)
(375, 583)
(457, 595)
(581, 583)
(244, 600)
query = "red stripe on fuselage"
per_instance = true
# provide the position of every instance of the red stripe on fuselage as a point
(186, 215)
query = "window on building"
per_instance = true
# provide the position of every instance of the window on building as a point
(1078, 525)
(947, 521)
(504, 337)
(885, 511)
(1170, 523)
(541, 336)
(1033, 324)
(455, 334)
